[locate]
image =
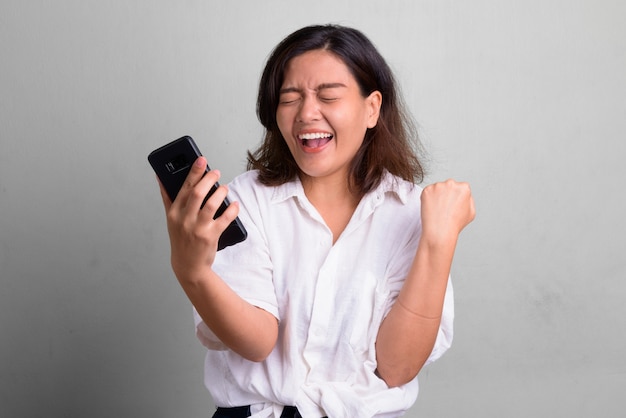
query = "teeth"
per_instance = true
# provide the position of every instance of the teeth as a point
(316, 135)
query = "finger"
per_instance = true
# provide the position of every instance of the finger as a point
(467, 201)
(214, 202)
(215, 227)
(472, 208)
(195, 175)
(199, 192)
(226, 218)
(448, 204)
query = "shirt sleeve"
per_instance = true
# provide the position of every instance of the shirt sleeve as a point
(246, 267)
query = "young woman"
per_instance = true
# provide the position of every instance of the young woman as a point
(341, 293)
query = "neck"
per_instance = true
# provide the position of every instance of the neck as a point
(333, 200)
(334, 191)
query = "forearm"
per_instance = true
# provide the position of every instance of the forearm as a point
(408, 333)
(249, 331)
(194, 235)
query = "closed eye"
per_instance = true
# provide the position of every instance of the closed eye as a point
(330, 92)
(288, 99)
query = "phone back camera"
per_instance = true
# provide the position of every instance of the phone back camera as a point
(177, 164)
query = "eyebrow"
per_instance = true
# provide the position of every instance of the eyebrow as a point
(322, 86)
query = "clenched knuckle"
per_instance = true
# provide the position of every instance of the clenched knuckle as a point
(196, 193)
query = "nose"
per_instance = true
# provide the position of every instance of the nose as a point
(308, 111)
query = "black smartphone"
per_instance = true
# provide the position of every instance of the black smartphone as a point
(172, 163)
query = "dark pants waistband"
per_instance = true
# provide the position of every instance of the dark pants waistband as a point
(244, 411)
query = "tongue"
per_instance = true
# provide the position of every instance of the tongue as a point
(316, 142)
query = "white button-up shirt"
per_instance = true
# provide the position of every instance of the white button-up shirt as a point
(329, 299)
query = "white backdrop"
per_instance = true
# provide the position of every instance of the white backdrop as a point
(524, 99)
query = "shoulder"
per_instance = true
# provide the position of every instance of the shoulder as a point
(245, 179)
(258, 198)
(246, 185)
(406, 192)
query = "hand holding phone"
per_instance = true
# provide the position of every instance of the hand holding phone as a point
(172, 164)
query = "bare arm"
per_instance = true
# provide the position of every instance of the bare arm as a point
(407, 335)
(249, 331)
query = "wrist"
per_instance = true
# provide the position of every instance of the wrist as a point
(439, 239)
(191, 277)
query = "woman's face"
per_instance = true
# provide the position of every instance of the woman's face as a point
(322, 115)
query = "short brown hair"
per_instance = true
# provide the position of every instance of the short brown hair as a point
(391, 145)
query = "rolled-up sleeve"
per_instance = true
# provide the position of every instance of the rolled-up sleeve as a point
(246, 267)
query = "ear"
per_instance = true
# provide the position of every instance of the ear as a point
(373, 103)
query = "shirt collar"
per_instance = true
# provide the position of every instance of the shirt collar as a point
(388, 184)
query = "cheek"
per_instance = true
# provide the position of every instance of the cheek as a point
(284, 126)
(282, 120)
(351, 124)
(353, 117)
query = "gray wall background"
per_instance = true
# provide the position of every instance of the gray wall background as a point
(524, 99)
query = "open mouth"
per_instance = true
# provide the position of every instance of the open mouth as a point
(315, 140)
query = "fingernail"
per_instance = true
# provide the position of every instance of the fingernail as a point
(200, 162)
